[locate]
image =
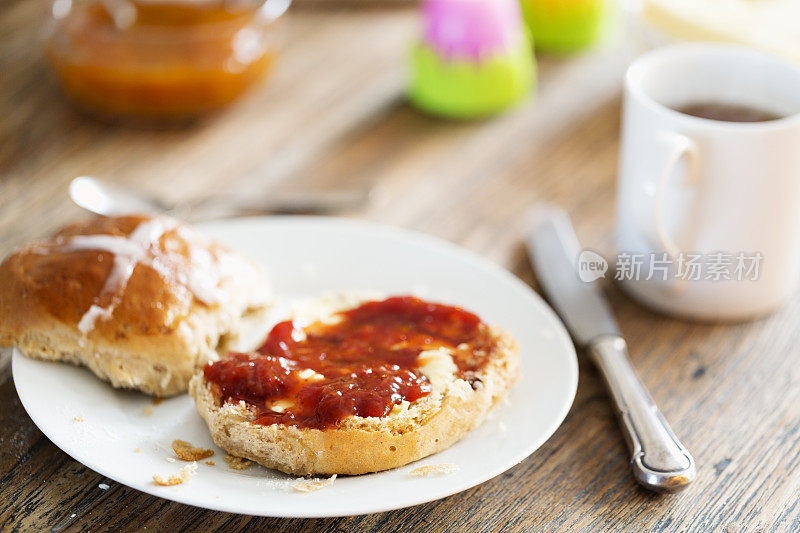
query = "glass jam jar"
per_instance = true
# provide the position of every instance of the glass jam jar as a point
(161, 59)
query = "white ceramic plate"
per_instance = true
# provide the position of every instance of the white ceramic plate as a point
(114, 433)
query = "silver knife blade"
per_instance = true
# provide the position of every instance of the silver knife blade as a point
(658, 459)
(554, 249)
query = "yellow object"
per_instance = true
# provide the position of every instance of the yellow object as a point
(564, 25)
(770, 25)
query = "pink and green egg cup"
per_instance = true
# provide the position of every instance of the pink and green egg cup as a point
(474, 58)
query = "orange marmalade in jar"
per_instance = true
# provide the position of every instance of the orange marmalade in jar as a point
(161, 59)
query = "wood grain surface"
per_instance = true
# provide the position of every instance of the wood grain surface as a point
(334, 115)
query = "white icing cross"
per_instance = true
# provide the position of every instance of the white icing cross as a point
(202, 279)
(127, 251)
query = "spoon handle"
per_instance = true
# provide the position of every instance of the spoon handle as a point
(274, 202)
(111, 199)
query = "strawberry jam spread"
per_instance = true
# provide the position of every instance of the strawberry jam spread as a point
(364, 362)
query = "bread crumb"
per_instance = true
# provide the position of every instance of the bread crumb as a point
(77, 419)
(137, 450)
(441, 469)
(157, 400)
(310, 485)
(171, 460)
(147, 411)
(237, 463)
(186, 451)
(210, 463)
(103, 486)
(184, 474)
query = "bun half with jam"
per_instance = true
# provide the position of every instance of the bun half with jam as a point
(142, 301)
(351, 386)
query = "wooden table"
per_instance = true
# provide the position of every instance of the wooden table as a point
(334, 115)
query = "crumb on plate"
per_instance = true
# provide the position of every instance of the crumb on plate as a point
(237, 463)
(187, 451)
(147, 411)
(184, 474)
(210, 463)
(77, 418)
(310, 485)
(441, 469)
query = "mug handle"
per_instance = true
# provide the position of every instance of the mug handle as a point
(677, 146)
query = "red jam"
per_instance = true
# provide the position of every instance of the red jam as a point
(368, 360)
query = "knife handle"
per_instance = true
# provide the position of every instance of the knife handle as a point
(659, 461)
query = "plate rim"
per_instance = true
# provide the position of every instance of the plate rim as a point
(377, 228)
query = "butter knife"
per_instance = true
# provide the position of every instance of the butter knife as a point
(659, 461)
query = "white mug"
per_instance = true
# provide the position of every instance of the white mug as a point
(705, 193)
